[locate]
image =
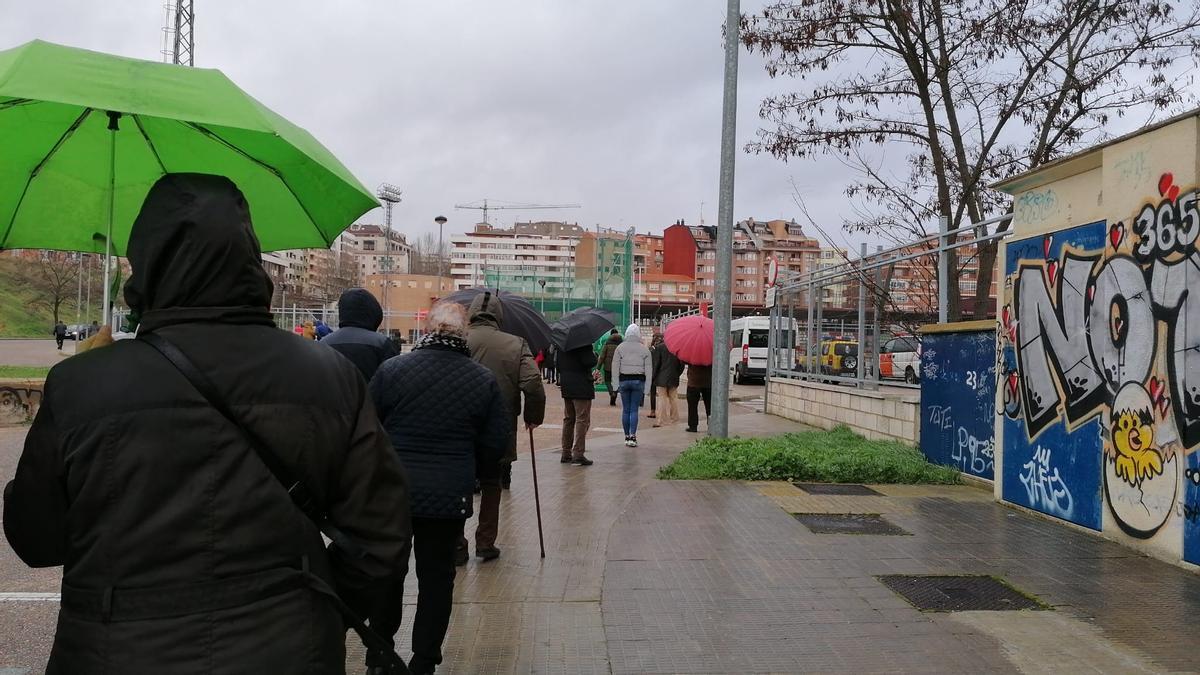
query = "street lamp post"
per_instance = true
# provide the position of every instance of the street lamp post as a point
(542, 283)
(441, 222)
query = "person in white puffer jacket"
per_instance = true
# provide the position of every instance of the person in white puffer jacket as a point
(631, 371)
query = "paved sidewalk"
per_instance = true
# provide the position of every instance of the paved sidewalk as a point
(647, 576)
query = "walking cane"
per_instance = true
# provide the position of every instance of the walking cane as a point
(537, 500)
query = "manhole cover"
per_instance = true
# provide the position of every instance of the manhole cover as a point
(958, 593)
(837, 489)
(847, 523)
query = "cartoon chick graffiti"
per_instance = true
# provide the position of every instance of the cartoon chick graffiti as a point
(1132, 434)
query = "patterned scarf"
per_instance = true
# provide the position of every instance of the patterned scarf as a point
(451, 342)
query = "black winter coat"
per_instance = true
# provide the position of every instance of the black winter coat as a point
(575, 373)
(667, 367)
(147, 495)
(447, 420)
(359, 316)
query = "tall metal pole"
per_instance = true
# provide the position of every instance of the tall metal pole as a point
(718, 425)
(79, 293)
(387, 265)
(106, 313)
(862, 312)
(943, 281)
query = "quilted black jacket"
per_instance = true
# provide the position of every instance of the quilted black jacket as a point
(446, 417)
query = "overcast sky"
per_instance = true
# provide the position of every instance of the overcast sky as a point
(611, 104)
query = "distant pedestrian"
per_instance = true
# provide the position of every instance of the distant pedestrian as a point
(196, 559)
(447, 419)
(359, 316)
(578, 388)
(631, 369)
(667, 370)
(323, 330)
(650, 388)
(93, 329)
(552, 365)
(606, 361)
(308, 331)
(699, 387)
(508, 358)
(60, 333)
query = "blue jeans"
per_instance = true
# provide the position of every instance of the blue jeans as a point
(631, 392)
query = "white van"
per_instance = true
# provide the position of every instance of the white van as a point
(748, 338)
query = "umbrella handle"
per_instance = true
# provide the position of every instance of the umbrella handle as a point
(537, 500)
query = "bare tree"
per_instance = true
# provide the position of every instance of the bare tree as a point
(427, 257)
(973, 90)
(53, 280)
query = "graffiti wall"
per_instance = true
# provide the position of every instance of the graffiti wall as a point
(1099, 373)
(958, 400)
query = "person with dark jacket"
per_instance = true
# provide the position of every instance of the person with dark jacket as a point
(606, 360)
(359, 317)
(575, 381)
(449, 423)
(181, 551)
(60, 333)
(667, 370)
(510, 361)
(699, 386)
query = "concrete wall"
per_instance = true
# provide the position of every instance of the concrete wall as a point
(19, 400)
(1098, 402)
(875, 415)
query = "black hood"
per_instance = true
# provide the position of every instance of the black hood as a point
(191, 248)
(359, 309)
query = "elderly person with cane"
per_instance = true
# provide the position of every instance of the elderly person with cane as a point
(449, 423)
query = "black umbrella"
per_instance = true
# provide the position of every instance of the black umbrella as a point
(518, 317)
(581, 327)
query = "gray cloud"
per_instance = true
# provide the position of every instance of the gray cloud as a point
(613, 105)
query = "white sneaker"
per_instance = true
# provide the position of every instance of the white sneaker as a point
(628, 442)
(632, 442)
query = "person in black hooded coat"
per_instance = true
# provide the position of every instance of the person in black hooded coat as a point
(182, 553)
(359, 317)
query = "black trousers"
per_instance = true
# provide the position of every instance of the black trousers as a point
(434, 541)
(694, 394)
(59, 339)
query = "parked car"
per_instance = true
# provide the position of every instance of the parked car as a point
(77, 331)
(900, 358)
(749, 338)
(839, 357)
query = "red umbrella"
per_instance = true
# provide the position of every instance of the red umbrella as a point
(691, 339)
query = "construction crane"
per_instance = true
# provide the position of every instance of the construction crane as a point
(486, 205)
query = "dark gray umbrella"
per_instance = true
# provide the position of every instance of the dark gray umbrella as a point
(581, 327)
(518, 316)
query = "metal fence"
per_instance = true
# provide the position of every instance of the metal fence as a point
(856, 323)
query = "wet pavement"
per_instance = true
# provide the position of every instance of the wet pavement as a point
(648, 576)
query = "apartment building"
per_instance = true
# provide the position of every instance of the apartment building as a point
(535, 258)
(369, 243)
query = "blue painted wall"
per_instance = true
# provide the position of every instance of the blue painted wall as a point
(958, 400)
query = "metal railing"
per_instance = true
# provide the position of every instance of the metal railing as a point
(802, 343)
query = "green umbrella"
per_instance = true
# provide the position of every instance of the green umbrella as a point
(84, 135)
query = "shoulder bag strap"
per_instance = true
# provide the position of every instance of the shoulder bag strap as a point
(297, 491)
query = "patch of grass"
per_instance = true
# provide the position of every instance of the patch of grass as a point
(837, 456)
(24, 372)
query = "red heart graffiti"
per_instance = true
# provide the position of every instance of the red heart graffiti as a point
(1173, 193)
(1116, 234)
(1052, 271)
(1046, 246)
(1164, 183)
(1012, 383)
(1163, 405)
(1156, 389)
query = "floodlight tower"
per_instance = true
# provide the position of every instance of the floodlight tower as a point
(179, 33)
(390, 195)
